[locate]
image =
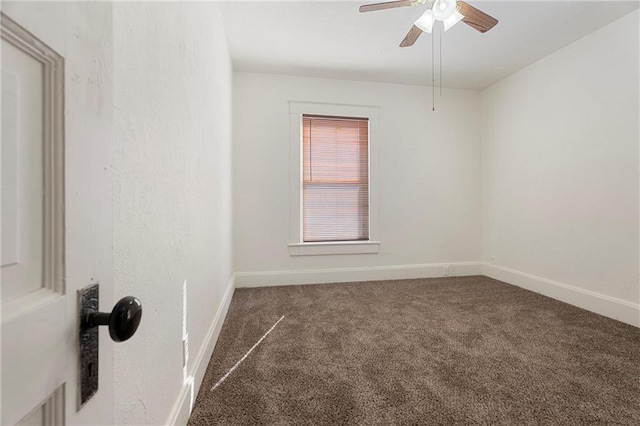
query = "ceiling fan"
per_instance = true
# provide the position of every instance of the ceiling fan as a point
(449, 12)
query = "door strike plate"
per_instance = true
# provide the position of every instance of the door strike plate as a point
(88, 301)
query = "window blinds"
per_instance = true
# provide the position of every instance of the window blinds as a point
(335, 179)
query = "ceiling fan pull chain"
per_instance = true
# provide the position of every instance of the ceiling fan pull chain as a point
(440, 60)
(433, 77)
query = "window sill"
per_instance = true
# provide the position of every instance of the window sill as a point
(349, 247)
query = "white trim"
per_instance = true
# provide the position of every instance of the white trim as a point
(296, 109)
(347, 247)
(363, 111)
(608, 306)
(373, 273)
(182, 408)
(598, 303)
(295, 178)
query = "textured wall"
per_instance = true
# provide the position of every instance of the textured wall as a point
(560, 161)
(429, 193)
(172, 191)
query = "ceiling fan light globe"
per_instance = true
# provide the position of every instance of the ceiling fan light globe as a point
(452, 20)
(443, 9)
(425, 22)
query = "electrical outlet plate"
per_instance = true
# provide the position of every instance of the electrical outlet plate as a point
(185, 350)
(88, 301)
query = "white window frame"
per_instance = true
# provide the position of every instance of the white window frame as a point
(296, 245)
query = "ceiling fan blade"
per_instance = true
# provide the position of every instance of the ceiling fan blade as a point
(476, 18)
(411, 37)
(388, 5)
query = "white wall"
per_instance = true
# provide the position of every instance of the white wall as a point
(430, 190)
(172, 194)
(560, 172)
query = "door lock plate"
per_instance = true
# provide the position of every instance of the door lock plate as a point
(88, 301)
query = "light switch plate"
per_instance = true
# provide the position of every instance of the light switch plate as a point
(88, 301)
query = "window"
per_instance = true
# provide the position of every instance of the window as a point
(333, 179)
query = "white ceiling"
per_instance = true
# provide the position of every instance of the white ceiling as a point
(332, 39)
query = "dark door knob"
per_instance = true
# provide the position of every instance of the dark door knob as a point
(123, 321)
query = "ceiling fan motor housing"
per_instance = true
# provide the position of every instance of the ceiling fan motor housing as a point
(443, 9)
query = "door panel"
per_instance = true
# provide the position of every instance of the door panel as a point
(56, 213)
(9, 178)
(33, 304)
(22, 173)
(49, 413)
(35, 418)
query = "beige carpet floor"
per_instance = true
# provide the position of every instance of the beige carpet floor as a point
(443, 351)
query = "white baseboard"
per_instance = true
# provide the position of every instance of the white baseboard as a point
(373, 273)
(608, 306)
(182, 408)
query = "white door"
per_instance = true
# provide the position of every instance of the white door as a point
(55, 210)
